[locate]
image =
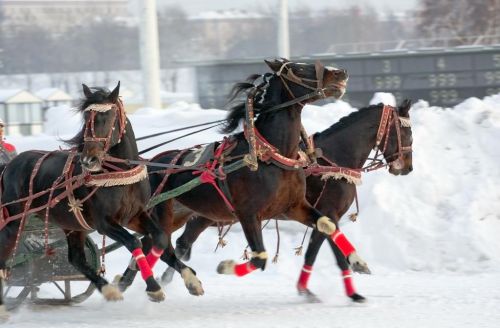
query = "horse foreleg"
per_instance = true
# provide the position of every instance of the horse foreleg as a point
(161, 241)
(134, 245)
(194, 228)
(193, 284)
(346, 274)
(253, 233)
(76, 256)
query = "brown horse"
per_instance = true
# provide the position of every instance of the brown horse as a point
(277, 187)
(68, 189)
(331, 187)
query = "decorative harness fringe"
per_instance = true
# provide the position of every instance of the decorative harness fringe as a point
(99, 108)
(110, 179)
(356, 179)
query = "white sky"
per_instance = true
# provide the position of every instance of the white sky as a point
(195, 6)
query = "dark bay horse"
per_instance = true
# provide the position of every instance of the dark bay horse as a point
(277, 187)
(68, 189)
(347, 145)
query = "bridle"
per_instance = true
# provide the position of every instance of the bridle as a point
(118, 113)
(318, 89)
(389, 119)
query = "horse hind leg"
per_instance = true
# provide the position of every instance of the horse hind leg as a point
(310, 216)
(76, 256)
(253, 233)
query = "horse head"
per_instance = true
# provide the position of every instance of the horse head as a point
(104, 125)
(290, 84)
(397, 148)
(300, 79)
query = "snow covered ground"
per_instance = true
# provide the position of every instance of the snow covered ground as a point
(432, 238)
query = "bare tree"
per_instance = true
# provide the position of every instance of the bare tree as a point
(461, 21)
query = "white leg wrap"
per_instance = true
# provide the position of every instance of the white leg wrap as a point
(3, 274)
(325, 225)
(111, 293)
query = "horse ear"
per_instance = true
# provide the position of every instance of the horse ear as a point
(274, 65)
(405, 107)
(86, 91)
(113, 96)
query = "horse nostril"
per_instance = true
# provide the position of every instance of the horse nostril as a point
(88, 161)
(344, 73)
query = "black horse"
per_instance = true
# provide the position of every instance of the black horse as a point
(67, 188)
(277, 187)
(331, 188)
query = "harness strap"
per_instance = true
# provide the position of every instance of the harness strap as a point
(209, 176)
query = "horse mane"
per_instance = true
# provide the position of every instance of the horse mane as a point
(100, 95)
(262, 100)
(346, 121)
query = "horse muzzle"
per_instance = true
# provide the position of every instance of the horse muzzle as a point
(91, 163)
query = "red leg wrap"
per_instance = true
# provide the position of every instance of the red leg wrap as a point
(342, 243)
(304, 276)
(142, 263)
(243, 269)
(349, 286)
(153, 256)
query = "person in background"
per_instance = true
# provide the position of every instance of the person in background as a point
(7, 150)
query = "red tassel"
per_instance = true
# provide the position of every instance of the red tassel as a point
(243, 269)
(304, 276)
(142, 263)
(349, 286)
(153, 256)
(342, 243)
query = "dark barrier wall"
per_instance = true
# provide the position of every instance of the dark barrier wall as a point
(443, 77)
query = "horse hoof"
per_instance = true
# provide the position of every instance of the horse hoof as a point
(358, 298)
(308, 295)
(157, 296)
(357, 264)
(111, 293)
(226, 267)
(193, 284)
(167, 276)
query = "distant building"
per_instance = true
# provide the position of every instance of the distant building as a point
(57, 16)
(21, 111)
(52, 97)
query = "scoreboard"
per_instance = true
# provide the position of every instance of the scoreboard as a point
(443, 77)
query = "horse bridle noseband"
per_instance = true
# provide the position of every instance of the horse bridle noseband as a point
(118, 114)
